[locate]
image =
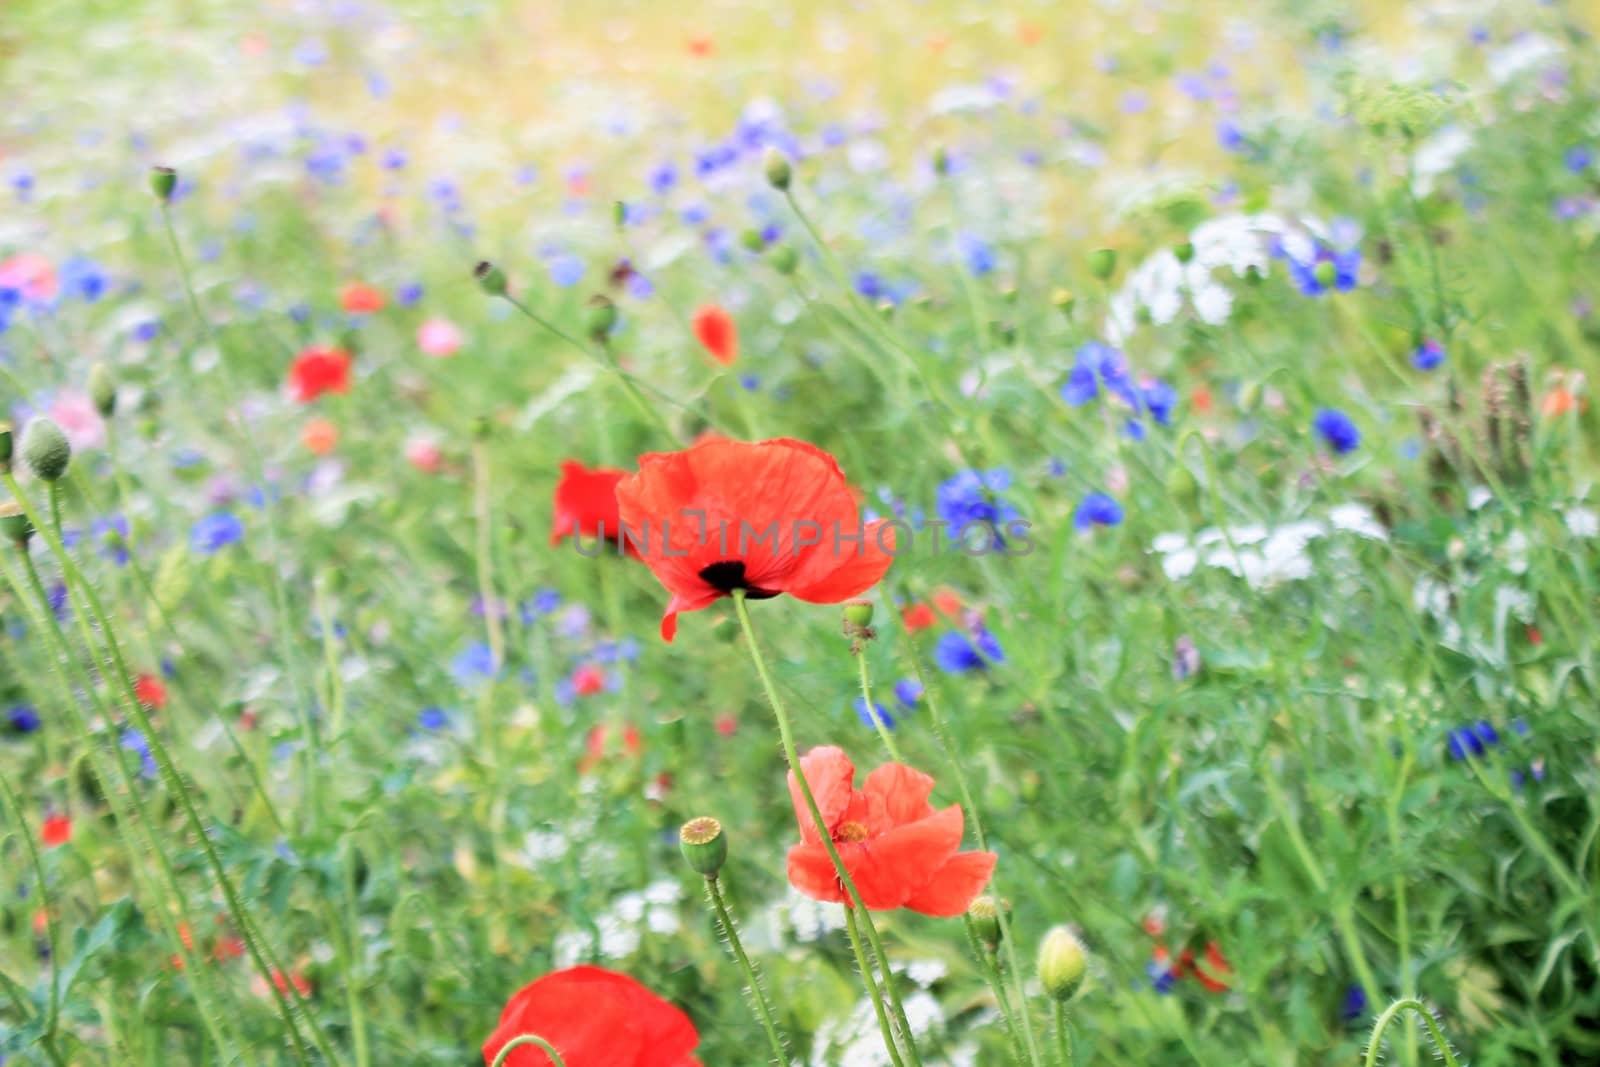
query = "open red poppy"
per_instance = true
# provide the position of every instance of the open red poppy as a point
(586, 504)
(594, 1018)
(770, 517)
(318, 370)
(715, 330)
(359, 298)
(900, 852)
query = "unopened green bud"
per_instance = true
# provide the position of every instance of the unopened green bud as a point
(1064, 301)
(1326, 273)
(619, 214)
(45, 450)
(858, 613)
(941, 161)
(1103, 263)
(1184, 252)
(1249, 397)
(491, 279)
(163, 180)
(752, 240)
(704, 845)
(601, 318)
(779, 172)
(1252, 275)
(103, 390)
(785, 260)
(1063, 962)
(7, 444)
(14, 524)
(985, 913)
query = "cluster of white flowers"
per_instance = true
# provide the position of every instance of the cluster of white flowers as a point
(855, 1041)
(1263, 556)
(618, 930)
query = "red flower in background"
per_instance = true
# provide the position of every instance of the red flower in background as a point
(717, 332)
(358, 298)
(151, 693)
(317, 370)
(771, 517)
(922, 615)
(586, 504)
(900, 852)
(55, 831)
(594, 1018)
(588, 680)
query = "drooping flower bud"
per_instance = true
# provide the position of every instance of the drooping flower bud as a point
(45, 449)
(985, 913)
(1103, 263)
(491, 279)
(163, 180)
(601, 317)
(103, 390)
(785, 260)
(779, 172)
(1063, 962)
(619, 214)
(14, 524)
(704, 845)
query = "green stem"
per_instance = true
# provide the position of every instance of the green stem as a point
(872, 710)
(52, 1017)
(786, 734)
(873, 991)
(731, 932)
(1063, 1033)
(1411, 1004)
(528, 1039)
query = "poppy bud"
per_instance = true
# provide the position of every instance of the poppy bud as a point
(1184, 252)
(619, 214)
(102, 390)
(886, 308)
(601, 318)
(985, 914)
(1008, 293)
(6, 446)
(752, 240)
(1062, 963)
(14, 525)
(1252, 275)
(45, 450)
(163, 180)
(491, 279)
(941, 161)
(1064, 301)
(704, 845)
(1103, 263)
(858, 613)
(1325, 273)
(779, 173)
(1249, 397)
(784, 260)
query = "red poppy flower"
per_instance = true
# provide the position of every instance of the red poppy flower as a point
(588, 680)
(717, 332)
(55, 831)
(318, 370)
(594, 1018)
(359, 298)
(771, 517)
(151, 693)
(900, 852)
(922, 615)
(586, 504)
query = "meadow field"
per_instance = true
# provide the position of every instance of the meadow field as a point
(927, 533)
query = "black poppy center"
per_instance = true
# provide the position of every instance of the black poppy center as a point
(726, 575)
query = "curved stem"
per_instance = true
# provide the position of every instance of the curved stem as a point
(872, 709)
(731, 932)
(528, 1039)
(872, 985)
(786, 734)
(1440, 1043)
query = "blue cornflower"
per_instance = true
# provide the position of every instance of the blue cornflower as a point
(664, 177)
(566, 269)
(978, 254)
(1097, 509)
(1578, 158)
(112, 533)
(393, 159)
(1428, 355)
(1468, 741)
(1229, 136)
(147, 330)
(870, 286)
(1159, 400)
(83, 278)
(23, 719)
(908, 691)
(134, 741)
(973, 496)
(1327, 269)
(473, 664)
(215, 532)
(544, 602)
(878, 709)
(433, 718)
(1099, 364)
(1355, 1003)
(1336, 430)
(956, 654)
(60, 602)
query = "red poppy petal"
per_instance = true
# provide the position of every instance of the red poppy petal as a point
(694, 602)
(811, 871)
(896, 864)
(844, 569)
(831, 776)
(954, 886)
(904, 792)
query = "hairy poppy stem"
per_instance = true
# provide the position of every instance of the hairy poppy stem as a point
(1441, 1044)
(528, 1039)
(52, 1018)
(786, 734)
(872, 709)
(873, 991)
(1063, 1034)
(757, 993)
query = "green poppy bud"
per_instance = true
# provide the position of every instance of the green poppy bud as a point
(1184, 252)
(7, 444)
(1063, 963)
(103, 390)
(163, 180)
(704, 845)
(752, 240)
(1064, 301)
(14, 525)
(491, 279)
(785, 260)
(601, 317)
(1103, 263)
(45, 450)
(985, 913)
(779, 172)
